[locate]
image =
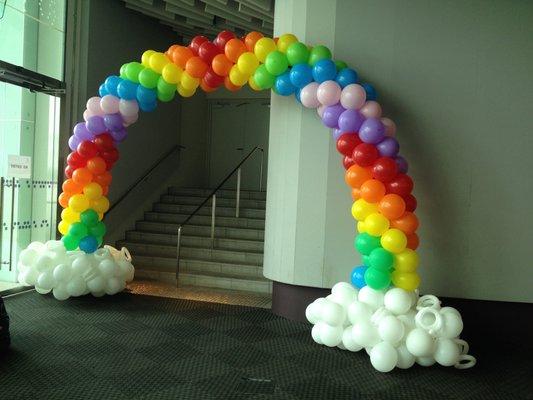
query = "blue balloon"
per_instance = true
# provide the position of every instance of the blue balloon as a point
(148, 107)
(88, 244)
(358, 276)
(102, 90)
(371, 93)
(324, 70)
(297, 95)
(346, 76)
(301, 75)
(111, 84)
(127, 90)
(283, 85)
(145, 95)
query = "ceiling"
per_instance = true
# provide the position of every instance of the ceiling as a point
(208, 17)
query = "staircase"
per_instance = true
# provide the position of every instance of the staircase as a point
(234, 262)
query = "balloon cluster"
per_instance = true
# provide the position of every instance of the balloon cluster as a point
(50, 268)
(394, 326)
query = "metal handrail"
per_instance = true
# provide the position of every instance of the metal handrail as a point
(214, 197)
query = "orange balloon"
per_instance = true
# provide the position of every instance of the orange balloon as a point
(82, 176)
(372, 190)
(96, 165)
(230, 86)
(413, 241)
(251, 39)
(233, 49)
(196, 67)
(356, 194)
(221, 65)
(64, 199)
(103, 179)
(105, 190)
(170, 50)
(206, 88)
(356, 175)
(71, 187)
(180, 55)
(392, 206)
(408, 223)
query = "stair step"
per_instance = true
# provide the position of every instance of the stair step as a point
(201, 230)
(222, 193)
(226, 281)
(159, 250)
(221, 201)
(206, 210)
(233, 222)
(195, 241)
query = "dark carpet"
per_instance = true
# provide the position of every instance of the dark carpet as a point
(139, 347)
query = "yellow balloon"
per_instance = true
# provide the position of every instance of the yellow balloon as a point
(145, 59)
(79, 203)
(63, 227)
(361, 227)
(172, 73)
(405, 280)
(394, 240)
(285, 41)
(100, 205)
(362, 209)
(189, 83)
(100, 216)
(158, 62)
(185, 92)
(237, 77)
(247, 63)
(406, 261)
(70, 216)
(92, 190)
(376, 224)
(253, 85)
(263, 47)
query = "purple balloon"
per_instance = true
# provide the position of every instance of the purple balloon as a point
(350, 121)
(95, 125)
(331, 115)
(119, 135)
(336, 133)
(113, 122)
(388, 147)
(81, 132)
(402, 164)
(372, 131)
(73, 142)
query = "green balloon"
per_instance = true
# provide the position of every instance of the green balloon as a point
(165, 97)
(340, 65)
(70, 242)
(78, 230)
(366, 260)
(133, 70)
(297, 53)
(165, 87)
(89, 217)
(100, 240)
(381, 259)
(377, 279)
(318, 53)
(365, 243)
(98, 230)
(123, 71)
(263, 78)
(148, 78)
(276, 63)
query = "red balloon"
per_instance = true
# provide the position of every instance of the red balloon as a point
(68, 171)
(212, 79)
(348, 161)
(365, 154)
(110, 155)
(385, 169)
(401, 185)
(75, 160)
(410, 202)
(104, 142)
(208, 51)
(347, 142)
(223, 38)
(87, 149)
(196, 42)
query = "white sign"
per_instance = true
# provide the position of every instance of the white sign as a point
(18, 166)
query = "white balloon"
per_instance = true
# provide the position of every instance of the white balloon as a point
(374, 298)
(30, 276)
(444, 310)
(113, 286)
(128, 108)
(408, 320)
(93, 106)
(452, 326)
(28, 256)
(447, 352)
(110, 104)
(332, 313)
(62, 273)
(420, 343)
(391, 329)
(365, 334)
(60, 292)
(77, 286)
(358, 311)
(42, 291)
(46, 281)
(37, 246)
(81, 264)
(311, 313)
(96, 285)
(383, 357)
(425, 361)
(107, 268)
(398, 301)
(379, 314)
(331, 336)
(343, 288)
(348, 341)
(43, 263)
(405, 359)
(127, 271)
(315, 333)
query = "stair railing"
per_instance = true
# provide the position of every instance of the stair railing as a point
(213, 196)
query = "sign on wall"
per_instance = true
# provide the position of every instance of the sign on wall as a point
(18, 166)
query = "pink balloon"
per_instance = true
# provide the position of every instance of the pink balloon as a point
(128, 107)
(93, 105)
(320, 110)
(390, 126)
(353, 96)
(329, 93)
(371, 109)
(130, 119)
(308, 95)
(110, 104)
(86, 115)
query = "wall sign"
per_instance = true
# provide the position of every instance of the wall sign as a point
(18, 166)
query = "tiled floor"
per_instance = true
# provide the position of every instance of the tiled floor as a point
(224, 296)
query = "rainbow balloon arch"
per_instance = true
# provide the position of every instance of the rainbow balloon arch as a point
(381, 310)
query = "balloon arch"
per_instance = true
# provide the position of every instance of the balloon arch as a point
(380, 310)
